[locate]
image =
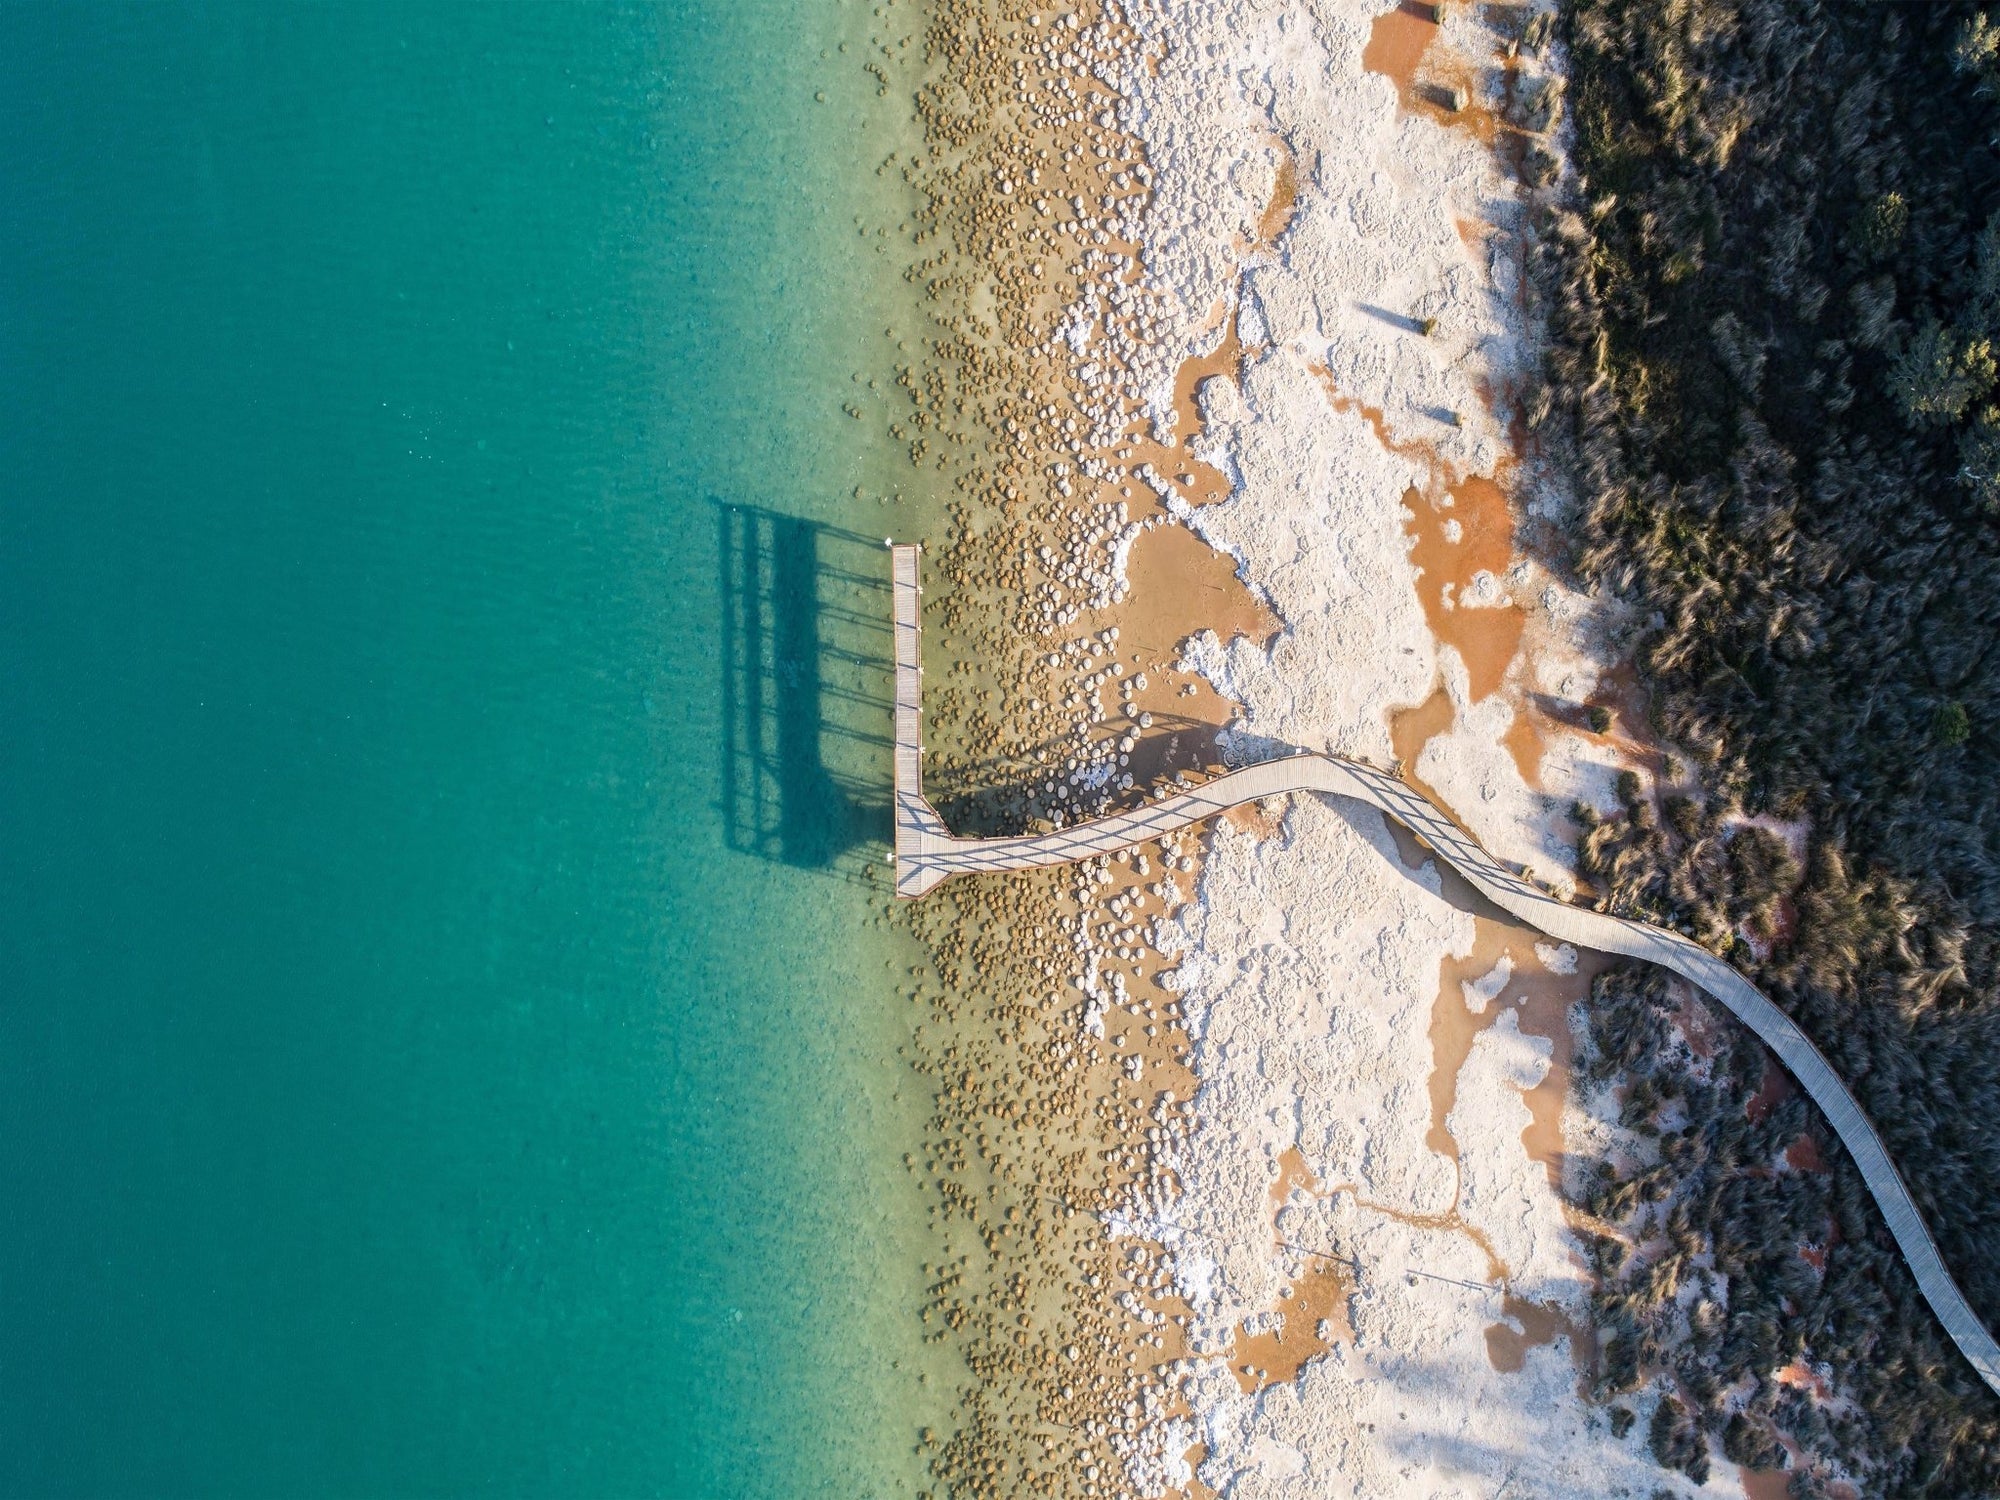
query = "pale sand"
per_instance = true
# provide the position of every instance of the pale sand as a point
(1310, 962)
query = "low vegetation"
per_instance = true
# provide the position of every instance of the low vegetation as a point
(1776, 296)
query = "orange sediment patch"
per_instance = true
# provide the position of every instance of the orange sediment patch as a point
(1454, 1027)
(1540, 999)
(1293, 1173)
(1166, 449)
(1416, 451)
(1454, 538)
(1397, 43)
(1403, 46)
(1546, 998)
(1312, 1318)
(1525, 744)
(1446, 1223)
(1430, 79)
(1410, 729)
(1225, 360)
(1460, 528)
(1507, 1350)
(1198, 483)
(1178, 586)
(1284, 198)
(1312, 1311)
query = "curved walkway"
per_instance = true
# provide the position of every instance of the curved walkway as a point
(926, 854)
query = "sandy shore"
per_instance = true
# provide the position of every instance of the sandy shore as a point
(1380, 1071)
(1249, 1147)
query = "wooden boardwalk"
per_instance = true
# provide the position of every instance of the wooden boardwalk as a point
(926, 854)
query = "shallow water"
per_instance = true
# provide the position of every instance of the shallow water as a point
(443, 1046)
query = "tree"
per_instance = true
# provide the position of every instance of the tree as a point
(1979, 460)
(1977, 52)
(1939, 374)
(1983, 315)
(1883, 226)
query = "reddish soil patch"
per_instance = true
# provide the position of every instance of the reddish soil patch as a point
(1397, 43)
(1467, 531)
(1284, 199)
(1772, 1089)
(1459, 526)
(1765, 1484)
(1506, 1350)
(1540, 1000)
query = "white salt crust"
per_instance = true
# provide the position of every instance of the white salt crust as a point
(1310, 959)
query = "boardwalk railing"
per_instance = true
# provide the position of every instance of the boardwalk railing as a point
(926, 853)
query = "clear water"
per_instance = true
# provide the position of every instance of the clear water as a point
(444, 1047)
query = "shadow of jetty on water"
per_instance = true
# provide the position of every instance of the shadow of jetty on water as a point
(807, 720)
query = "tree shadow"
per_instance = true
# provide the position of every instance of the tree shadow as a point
(808, 723)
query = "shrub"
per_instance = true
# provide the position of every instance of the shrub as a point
(1939, 374)
(1676, 1441)
(1979, 460)
(1882, 226)
(1977, 52)
(1952, 725)
(1750, 1444)
(1789, 206)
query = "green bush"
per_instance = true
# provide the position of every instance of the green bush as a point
(1977, 51)
(1979, 460)
(1882, 226)
(1953, 726)
(1776, 302)
(1940, 374)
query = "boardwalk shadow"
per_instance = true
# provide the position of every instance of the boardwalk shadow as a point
(806, 714)
(999, 797)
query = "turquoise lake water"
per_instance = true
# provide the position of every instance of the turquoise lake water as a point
(444, 1047)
